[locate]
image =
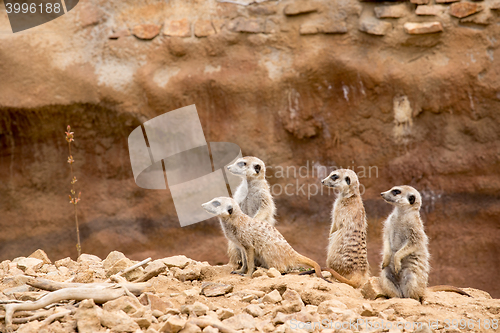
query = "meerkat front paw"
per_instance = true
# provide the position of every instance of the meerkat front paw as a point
(386, 261)
(397, 266)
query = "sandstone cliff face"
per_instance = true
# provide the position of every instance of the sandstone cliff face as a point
(298, 84)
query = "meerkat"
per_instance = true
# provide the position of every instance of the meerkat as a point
(405, 256)
(256, 238)
(253, 196)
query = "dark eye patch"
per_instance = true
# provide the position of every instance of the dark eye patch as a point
(395, 192)
(348, 180)
(411, 199)
(334, 177)
(215, 203)
(257, 168)
(242, 164)
(230, 210)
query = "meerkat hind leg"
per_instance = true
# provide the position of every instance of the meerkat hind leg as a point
(250, 255)
(244, 262)
(388, 283)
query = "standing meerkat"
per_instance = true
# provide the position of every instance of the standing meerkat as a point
(405, 261)
(256, 238)
(253, 196)
(347, 238)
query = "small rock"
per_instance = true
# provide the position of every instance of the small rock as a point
(88, 257)
(178, 28)
(111, 259)
(203, 28)
(325, 307)
(424, 329)
(259, 272)
(118, 321)
(464, 9)
(87, 318)
(143, 322)
(393, 11)
(495, 5)
(484, 18)
(127, 304)
(301, 7)
(273, 297)
(367, 310)
(292, 301)
(280, 318)
(29, 264)
(177, 261)
(446, 1)
(224, 313)
(200, 309)
(375, 27)
(273, 273)
(155, 302)
(247, 25)
(210, 329)
(40, 254)
(422, 28)
(240, 322)
(157, 313)
(190, 328)
(430, 10)
(146, 31)
(371, 289)
(420, 2)
(211, 289)
(192, 272)
(248, 298)
(254, 310)
(191, 292)
(86, 276)
(173, 324)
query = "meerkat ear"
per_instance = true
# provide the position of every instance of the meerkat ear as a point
(230, 210)
(411, 199)
(257, 168)
(348, 180)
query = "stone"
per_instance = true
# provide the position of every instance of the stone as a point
(483, 18)
(248, 25)
(29, 264)
(259, 272)
(254, 310)
(325, 307)
(191, 292)
(392, 11)
(40, 254)
(210, 329)
(280, 318)
(191, 272)
(224, 313)
(240, 322)
(87, 318)
(292, 302)
(155, 303)
(273, 297)
(203, 28)
(143, 322)
(200, 309)
(464, 9)
(446, 1)
(157, 313)
(111, 259)
(420, 2)
(373, 26)
(119, 266)
(211, 289)
(495, 5)
(367, 310)
(301, 7)
(430, 10)
(177, 261)
(177, 28)
(422, 28)
(118, 321)
(173, 324)
(127, 304)
(371, 289)
(146, 31)
(273, 273)
(152, 271)
(88, 257)
(190, 328)
(86, 276)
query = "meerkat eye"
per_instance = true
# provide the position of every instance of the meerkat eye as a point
(257, 168)
(348, 180)
(411, 199)
(395, 192)
(230, 210)
(216, 204)
(334, 177)
(242, 164)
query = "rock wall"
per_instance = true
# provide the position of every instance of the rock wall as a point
(403, 92)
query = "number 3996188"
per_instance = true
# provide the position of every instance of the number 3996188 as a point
(33, 8)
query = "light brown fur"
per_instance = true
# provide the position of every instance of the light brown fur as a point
(256, 238)
(346, 251)
(253, 196)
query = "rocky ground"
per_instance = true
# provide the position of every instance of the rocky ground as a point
(183, 295)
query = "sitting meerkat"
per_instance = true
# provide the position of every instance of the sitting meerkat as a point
(256, 238)
(405, 262)
(253, 196)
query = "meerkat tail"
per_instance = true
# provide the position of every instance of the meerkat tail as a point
(336, 275)
(306, 261)
(448, 288)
